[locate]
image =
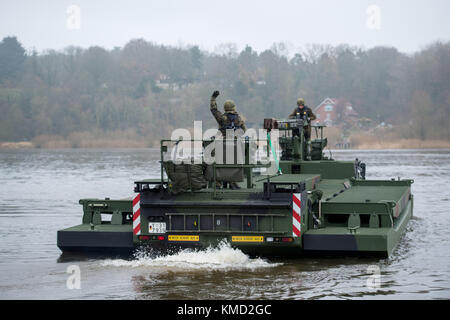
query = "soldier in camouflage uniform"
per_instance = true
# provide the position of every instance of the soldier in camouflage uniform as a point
(303, 112)
(228, 120)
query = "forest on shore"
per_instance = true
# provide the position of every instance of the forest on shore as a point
(134, 95)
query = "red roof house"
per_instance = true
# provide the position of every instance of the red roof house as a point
(333, 111)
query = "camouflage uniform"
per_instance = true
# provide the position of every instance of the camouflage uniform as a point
(228, 120)
(303, 113)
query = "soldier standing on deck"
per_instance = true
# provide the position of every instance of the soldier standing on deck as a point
(229, 120)
(305, 113)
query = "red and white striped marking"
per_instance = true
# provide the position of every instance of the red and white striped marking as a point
(296, 214)
(137, 215)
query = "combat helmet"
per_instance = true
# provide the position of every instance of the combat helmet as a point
(229, 106)
(300, 102)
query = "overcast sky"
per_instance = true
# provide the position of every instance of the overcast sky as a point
(408, 25)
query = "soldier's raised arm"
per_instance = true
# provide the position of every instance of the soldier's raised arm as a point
(213, 100)
(213, 107)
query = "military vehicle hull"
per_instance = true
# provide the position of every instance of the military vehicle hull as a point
(353, 217)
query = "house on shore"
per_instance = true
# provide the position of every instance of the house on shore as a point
(333, 112)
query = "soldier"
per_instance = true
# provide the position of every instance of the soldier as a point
(228, 120)
(305, 113)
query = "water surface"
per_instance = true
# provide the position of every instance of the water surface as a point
(39, 193)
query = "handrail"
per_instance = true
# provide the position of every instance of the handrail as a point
(245, 165)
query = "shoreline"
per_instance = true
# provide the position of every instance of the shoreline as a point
(391, 145)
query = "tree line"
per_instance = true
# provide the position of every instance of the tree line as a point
(146, 90)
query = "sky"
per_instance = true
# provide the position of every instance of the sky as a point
(408, 25)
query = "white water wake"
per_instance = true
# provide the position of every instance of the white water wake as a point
(222, 257)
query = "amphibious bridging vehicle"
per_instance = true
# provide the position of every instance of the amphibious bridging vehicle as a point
(309, 204)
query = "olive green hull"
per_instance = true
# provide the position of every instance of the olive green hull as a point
(314, 207)
(107, 238)
(381, 241)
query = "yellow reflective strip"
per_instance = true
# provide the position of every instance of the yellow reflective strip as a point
(173, 237)
(247, 238)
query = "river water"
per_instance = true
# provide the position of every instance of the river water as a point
(39, 193)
